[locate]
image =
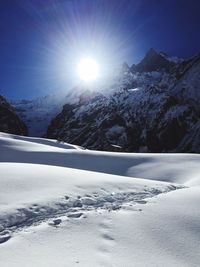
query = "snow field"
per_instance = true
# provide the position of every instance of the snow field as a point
(60, 204)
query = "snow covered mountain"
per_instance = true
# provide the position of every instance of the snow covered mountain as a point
(61, 205)
(150, 107)
(187, 86)
(9, 121)
(37, 113)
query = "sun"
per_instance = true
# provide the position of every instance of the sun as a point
(88, 69)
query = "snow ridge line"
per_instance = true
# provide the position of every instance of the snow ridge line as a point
(75, 208)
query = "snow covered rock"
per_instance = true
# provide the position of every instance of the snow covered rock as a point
(139, 111)
(187, 86)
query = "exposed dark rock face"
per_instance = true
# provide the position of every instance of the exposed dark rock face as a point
(9, 121)
(153, 109)
(153, 61)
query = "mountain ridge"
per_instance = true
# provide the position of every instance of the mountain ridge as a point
(9, 120)
(153, 107)
(141, 111)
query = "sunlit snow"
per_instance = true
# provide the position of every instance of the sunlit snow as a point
(60, 204)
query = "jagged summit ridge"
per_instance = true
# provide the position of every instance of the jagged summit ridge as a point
(155, 109)
(153, 61)
(139, 111)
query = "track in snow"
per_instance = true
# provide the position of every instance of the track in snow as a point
(75, 208)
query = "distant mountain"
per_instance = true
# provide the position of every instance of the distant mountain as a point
(37, 113)
(153, 106)
(9, 121)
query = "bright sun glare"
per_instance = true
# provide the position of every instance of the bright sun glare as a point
(88, 69)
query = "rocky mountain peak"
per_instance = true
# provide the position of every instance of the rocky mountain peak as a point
(151, 52)
(153, 61)
(149, 109)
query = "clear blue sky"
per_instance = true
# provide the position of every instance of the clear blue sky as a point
(41, 40)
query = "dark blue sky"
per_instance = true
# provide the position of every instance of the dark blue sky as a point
(41, 40)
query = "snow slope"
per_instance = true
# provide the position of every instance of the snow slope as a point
(60, 204)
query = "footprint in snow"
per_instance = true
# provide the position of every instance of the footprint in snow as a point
(108, 237)
(106, 242)
(1, 228)
(4, 236)
(105, 230)
(75, 215)
(55, 222)
(141, 201)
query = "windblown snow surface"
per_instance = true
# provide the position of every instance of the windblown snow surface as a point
(61, 205)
